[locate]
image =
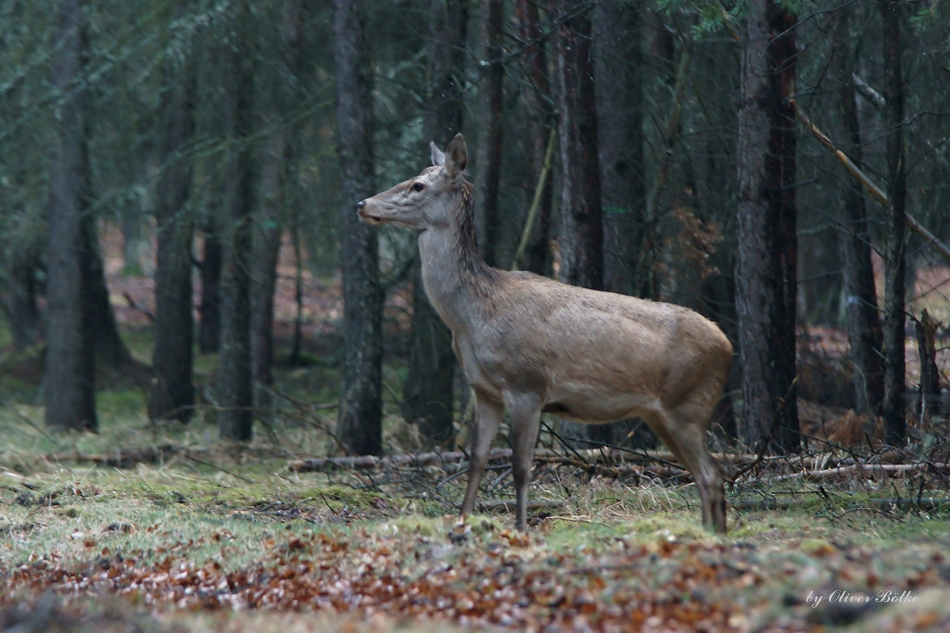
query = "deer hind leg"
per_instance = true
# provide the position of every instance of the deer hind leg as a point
(487, 421)
(685, 431)
(525, 411)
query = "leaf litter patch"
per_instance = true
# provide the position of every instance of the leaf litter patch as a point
(479, 574)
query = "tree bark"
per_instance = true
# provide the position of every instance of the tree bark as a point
(209, 326)
(929, 372)
(893, 410)
(109, 347)
(541, 123)
(70, 359)
(173, 393)
(428, 392)
(864, 325)
(360, 421)
(767, 243)
(619, 61)
(235, 392)
(488, 178)
(20, 304)
(582, 231)
(264, 277)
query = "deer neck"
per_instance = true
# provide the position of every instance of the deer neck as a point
(457, 280)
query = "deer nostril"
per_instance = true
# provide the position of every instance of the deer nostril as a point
(361, 204)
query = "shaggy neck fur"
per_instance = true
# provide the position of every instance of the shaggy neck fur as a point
(456, 278)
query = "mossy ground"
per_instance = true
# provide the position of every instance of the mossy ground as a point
(213, 505)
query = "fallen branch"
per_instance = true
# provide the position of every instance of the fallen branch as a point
(890, 469)
(120, 458)
(925, 503)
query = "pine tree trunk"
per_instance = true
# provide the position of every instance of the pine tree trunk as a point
(20, 305)
(70, 359)
(264, 277)
(428, 392)
(864, 325)
(766, 238)
(360, 421)
(235, 392)
(173, 392)
(541, 123)
(109, 347)
(619, 61)
(582, 230)
(209, 326)
(893, 409)
(488, 177)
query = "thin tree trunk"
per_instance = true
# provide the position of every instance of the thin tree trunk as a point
(20, 304)
(235, 392)
(767, 243)
(264, 277)
(582, 230)
(618, 58)
(110, 349)
(70, 359)
(864, 325)
(541, 123)
(209, 326)
(618, 63)
(929, 372)
(428, 393)
(895, 423)
(488, 178)
(360, 421)
(173, 392)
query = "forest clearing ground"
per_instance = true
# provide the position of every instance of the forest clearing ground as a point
(188, 546)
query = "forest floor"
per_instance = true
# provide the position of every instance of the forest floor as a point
(162, 527)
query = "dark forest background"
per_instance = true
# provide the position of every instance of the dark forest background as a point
(185, 173)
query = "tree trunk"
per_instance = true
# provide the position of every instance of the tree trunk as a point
(70, 359)
(767, 243)
(264, 276)
(895, 423)
(173, 392)
(209, 326)
(929, 372)
(20, 304)
(582, 230)
(618, 64)
(618, 59)
(360, 421)
(864, 325)
(541, 123)
(109, 347)
(488, 178)
(428, 393)
(235, 393)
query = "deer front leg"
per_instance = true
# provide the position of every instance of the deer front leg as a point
(487, 421)
(525, 410)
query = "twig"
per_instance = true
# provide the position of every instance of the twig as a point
(216, 467)
(768, 439)
(876, 192)
(535, 202)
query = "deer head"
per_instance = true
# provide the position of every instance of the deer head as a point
(425, 201)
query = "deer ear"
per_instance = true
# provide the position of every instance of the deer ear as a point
(456, 157)
(438, 158)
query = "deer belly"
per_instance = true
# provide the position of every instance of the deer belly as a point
(599, 408)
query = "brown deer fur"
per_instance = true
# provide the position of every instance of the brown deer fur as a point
(533, 345)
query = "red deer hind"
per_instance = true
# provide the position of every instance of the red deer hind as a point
(534, 345)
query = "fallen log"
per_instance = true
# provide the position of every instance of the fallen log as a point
(888, 469)
(120, 458)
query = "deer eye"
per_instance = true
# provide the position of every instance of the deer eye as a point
(418, 186)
